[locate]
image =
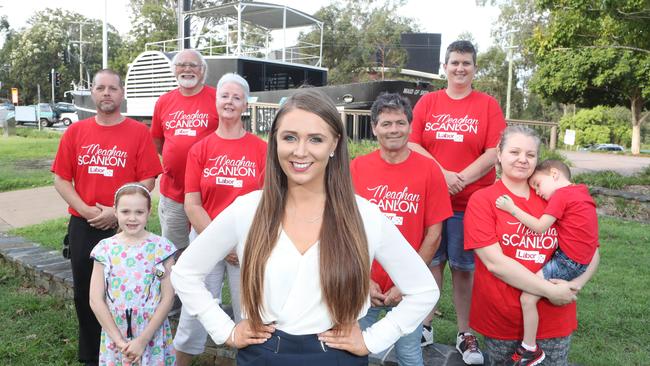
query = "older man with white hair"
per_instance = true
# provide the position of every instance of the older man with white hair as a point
(181, 118)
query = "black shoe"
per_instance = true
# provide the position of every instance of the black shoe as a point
(524, 357)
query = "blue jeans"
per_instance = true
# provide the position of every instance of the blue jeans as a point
(562, 267)
(407, 348)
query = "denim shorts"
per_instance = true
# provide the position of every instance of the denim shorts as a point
(562, 267)
(452, 246)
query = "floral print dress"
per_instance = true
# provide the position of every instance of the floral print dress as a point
(132, 274)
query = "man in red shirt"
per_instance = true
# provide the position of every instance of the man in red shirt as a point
(181, 117)
(410, 189)
(459, 128)
(96, 156)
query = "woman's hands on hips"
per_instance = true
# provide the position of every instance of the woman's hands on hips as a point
(348, 338)
(243, 334)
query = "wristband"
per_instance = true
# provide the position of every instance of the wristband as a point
(232, 335)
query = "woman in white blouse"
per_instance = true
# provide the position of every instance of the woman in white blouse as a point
(305, 244)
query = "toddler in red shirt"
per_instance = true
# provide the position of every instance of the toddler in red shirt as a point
(573, 211)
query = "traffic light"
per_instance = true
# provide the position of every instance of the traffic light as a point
(49, 77)
(57, 78)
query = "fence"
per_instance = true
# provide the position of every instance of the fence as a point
(357, 123)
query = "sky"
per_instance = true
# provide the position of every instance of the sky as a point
(449, 17)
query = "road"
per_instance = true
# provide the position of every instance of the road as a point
(589, 161)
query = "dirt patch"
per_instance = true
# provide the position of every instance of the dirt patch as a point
(33, 164)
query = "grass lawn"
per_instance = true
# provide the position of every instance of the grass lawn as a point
(25, 159)
(612, 308)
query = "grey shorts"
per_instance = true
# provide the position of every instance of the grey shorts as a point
(557, 350)
(174, 224)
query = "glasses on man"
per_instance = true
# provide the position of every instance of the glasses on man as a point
(191, 65)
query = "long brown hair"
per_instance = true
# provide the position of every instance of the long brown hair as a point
(344, 258)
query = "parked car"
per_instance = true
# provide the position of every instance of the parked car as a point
(608, 147)
(68, 118)
(47, 115)
(63, 107)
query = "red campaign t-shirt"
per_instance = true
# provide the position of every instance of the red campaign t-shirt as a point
(576, 221)
(496, 310)
(100, 159)
(457, 132)
(222, 170)
(181, 121)
(413, 194)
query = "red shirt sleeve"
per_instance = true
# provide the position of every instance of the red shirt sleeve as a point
(156, 122)
(419, 113)
(496, 124)
(193, 169)
(64, 161)
(148, 160)
(480, 222)
(438, 206)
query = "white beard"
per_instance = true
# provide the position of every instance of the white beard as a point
(188, 83)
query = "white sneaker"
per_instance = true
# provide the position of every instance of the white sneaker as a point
(467, 346)
(427, 336)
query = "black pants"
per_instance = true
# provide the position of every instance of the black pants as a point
(284, 349)
(83, 239)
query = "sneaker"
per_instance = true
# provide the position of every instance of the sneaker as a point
(467, 345)
(427, 336)
(524, 357)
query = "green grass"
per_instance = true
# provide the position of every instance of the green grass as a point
(612, 308)
(25, 159)
(613, 180)
(613, 318)
(37, 329)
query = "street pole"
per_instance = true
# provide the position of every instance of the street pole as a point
(52, 78)
(105, 38)
(38, 106)
(509, 92)
(81, 52)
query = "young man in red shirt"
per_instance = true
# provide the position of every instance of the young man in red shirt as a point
(410, 189)
(459, 128)
(181, 117)
(96, 156)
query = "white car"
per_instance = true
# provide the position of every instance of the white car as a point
(69, 118)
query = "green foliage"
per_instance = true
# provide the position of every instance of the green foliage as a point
(362, 147)
(595, 54)
(31, 53)
(599, 125)
(492, 78)
(360, 38)
(613, 180)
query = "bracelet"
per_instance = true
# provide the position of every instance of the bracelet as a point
(232, 335)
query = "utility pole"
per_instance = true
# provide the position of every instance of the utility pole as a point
(52, 76)
(81, 52)
(105, 37)
(509, 91)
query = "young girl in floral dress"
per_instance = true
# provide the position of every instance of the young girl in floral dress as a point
(130, 291)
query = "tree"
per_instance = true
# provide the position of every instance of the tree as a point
(599, 125)
(492, 78)
(30, 54)
(596, 53)
(361, 38)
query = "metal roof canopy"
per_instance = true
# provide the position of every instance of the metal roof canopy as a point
(264, 15)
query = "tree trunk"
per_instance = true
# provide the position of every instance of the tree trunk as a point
(636, 107)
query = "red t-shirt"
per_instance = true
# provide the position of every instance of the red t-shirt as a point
(457, 132)
(181, 121)
(496, 310)
(222, 170)
(100, 159)
(576, 221)
(413, 194)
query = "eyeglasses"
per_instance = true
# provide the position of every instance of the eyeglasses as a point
(191, 65)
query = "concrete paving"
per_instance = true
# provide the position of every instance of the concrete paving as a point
(30, 206)
(589, 161)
